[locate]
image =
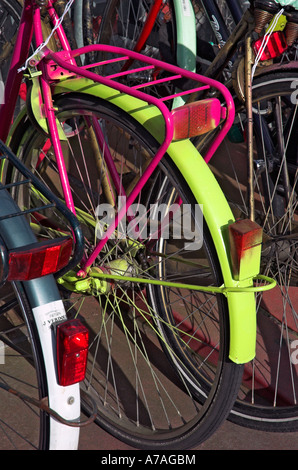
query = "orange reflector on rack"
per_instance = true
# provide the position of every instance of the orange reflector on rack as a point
(197, 118)
(245, 243)
(39, 259)
(72, 352)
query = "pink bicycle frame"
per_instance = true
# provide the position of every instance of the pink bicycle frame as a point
(66, 60)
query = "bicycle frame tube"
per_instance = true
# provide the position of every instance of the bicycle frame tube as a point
(147, 98)
(29, 23)
(217, 21)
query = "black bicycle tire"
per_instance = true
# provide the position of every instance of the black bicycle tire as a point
(229, 375)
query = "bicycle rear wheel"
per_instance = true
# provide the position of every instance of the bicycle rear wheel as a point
(268, 395)
(134, 326)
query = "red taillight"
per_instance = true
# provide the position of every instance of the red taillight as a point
(38, 260)
(72, 352)
(275, 46)
(197, 118)
(245, 243)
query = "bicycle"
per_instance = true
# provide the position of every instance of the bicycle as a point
(145, 295)
(268, 393)
(39, 410)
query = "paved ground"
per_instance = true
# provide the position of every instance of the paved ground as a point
(228, 437)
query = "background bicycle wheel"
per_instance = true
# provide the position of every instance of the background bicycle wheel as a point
(265, 397)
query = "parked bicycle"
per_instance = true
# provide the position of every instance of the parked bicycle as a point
(259, 184)
(158, 275)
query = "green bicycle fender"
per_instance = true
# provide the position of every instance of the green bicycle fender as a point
(217, 213)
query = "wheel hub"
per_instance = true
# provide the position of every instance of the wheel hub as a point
(93, 285)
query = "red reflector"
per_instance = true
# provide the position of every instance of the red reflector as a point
(39, 259)
(72, 352)
(197, 118)
(245, 242)
(276, 45)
